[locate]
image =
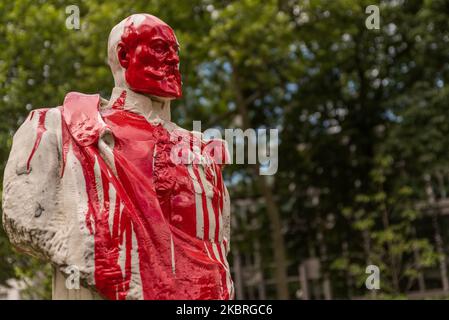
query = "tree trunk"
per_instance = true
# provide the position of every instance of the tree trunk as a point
(327, 289)
(437, 235)
(280, 260)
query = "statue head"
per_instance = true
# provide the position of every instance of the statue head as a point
(143, 55)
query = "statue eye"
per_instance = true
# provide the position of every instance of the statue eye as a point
(159, 46)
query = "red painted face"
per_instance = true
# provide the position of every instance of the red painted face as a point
(149, 53)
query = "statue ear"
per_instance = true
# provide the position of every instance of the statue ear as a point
(123, 55)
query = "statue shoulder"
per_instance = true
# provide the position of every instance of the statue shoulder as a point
(37, 122)
(80, 112)
(215, 149)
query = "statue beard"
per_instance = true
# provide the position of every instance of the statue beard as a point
(162, 82)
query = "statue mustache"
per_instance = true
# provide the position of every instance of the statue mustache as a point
(163, 72)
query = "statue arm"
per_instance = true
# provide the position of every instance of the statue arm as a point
(31, 216)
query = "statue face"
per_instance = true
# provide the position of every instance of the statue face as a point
(149, 53)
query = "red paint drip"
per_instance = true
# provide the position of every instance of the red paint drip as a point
(66, 140)
(39, 133)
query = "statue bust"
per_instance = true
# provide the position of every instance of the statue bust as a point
(116, 191)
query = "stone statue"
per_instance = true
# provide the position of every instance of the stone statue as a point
(116, 193)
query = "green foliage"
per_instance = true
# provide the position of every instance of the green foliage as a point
(385, 218)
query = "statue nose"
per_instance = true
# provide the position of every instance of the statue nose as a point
(173, 57)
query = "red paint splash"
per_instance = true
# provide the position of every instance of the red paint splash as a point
(120, 102)
(39, 132)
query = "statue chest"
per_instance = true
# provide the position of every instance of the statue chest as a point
(188, 183)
